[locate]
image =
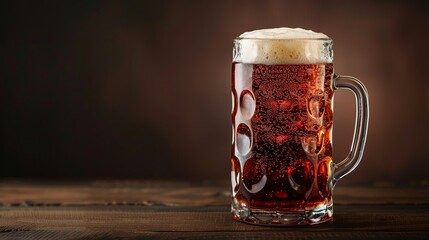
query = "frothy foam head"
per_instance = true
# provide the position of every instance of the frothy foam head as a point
(283, 46)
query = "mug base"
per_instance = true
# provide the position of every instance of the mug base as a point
(321, 214)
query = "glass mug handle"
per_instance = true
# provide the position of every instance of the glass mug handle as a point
(361, 126)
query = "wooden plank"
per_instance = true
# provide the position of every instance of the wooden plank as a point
(171, 210)
(177, 194)
(136, 221)
(292, 235)
(111, 193)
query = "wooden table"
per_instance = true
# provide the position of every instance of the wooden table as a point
(182, 210)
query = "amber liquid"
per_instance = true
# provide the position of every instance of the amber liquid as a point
(281, 149)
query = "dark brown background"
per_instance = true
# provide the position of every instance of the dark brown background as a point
(141, 89)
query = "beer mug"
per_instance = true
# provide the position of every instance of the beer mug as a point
(283, 83)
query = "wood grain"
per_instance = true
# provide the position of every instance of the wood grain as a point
(177, 193)
(179, 210)
(355, 221)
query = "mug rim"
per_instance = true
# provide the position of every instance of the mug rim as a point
(284, 39)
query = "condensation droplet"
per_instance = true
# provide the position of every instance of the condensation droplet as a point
(247, 104)
(243, 139)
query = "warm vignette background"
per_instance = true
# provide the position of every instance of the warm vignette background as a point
(141, 89)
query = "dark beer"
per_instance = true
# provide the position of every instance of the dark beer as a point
(282, 90)
(281, 149)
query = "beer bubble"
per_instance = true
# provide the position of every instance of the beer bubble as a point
(243, 139)
(247, 104)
